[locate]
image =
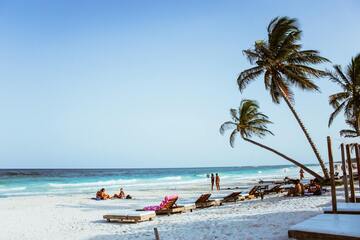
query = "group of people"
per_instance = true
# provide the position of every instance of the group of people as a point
(313, 188)
(215, 180)
(102, 195)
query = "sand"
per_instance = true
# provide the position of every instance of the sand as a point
(79, 217)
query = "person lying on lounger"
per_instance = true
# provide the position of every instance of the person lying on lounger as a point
(120, 195)
(101, 194)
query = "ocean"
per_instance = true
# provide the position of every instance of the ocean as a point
(23, 182)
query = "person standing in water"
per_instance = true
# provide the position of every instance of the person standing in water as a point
(212, 181)
(217, 180)
(301, 174)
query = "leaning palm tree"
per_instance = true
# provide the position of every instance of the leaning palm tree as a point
(247, 121)
(348, 100)
(283, 64)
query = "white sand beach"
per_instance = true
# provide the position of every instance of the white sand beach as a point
(79, 217)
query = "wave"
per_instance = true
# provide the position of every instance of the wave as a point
(92, 184)
(177, 178)
(14, 189)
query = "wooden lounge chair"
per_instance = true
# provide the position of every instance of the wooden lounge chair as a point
(204, 202)
(327, 226)
(252, 193)
(232, 197)
(273, 189)
(131, 217)
(170, 208)
(344, 208)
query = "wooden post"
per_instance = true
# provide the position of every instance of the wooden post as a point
(156, 232)
(332, 178)
(357, 152)
(343, 167)
(351, 178)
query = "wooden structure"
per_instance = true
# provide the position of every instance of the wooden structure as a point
(156, 232)
(343, 223)
(343, 167)
(351, 177)
(357, 157)
(332, 177)
(131, 217)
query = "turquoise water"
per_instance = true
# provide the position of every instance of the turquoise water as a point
(22, 182)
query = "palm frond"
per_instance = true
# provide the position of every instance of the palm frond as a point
(335, 113)
(246, 76)
(226, 126)
(232, 138)
(348, 133)
(233, 113)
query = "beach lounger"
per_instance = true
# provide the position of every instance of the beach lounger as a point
(167, 206)
(131, 216)
(203, 201)
(344, 208)
(273, 189)
(327, 226)
(252, 193)
(189, 207)
(232, 197)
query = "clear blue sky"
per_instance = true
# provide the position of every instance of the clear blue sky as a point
(148, 83)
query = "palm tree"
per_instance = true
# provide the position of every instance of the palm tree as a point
(248, 121)
(350, 133)
(348, 100)
(283, 64)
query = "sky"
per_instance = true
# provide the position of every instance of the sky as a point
(137, 84)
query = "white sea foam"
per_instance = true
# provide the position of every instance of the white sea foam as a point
(14, 189)
(92, 184)
(176, 178)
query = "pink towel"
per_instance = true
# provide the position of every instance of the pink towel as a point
(162, 204)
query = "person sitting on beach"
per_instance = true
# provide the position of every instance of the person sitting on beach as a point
(101, 194)
(297, 190)
(121, 194)
(314, 187)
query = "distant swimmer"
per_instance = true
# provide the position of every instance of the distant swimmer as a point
(217, 180)
(101, 194)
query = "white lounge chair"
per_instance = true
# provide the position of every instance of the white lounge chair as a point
(327, 226)
(131, 216)
(344, 208)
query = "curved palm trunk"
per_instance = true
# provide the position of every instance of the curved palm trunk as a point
(312, 144)
(311, 172)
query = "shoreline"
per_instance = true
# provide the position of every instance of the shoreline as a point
(90, 181)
